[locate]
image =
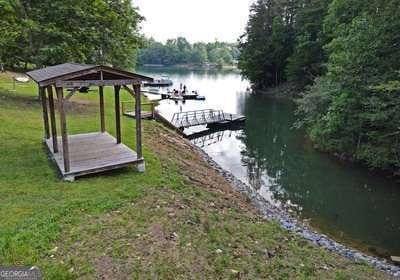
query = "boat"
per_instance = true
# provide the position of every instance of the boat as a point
(200, 97)
(164, 81)
(174, 95)
(193, 96)
(180, 95)
(152, 90)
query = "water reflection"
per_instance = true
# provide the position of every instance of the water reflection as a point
(342, 200)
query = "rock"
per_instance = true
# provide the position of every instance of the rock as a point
(54, 250)
(395, 259)
(301, 228)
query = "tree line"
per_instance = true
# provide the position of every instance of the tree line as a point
(48, 32)
(343, 56)
(180, 51)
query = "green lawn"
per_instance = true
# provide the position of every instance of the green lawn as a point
(127, 225)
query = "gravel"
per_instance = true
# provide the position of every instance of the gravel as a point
(287, 221)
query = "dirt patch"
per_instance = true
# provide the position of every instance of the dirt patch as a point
(174, 149)
(81, 107)
(109, 268)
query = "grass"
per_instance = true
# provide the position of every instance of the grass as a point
(178, 220)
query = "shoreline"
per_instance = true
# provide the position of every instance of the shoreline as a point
(183, 217)
(285, 92)
(190, 67)
(294, 225)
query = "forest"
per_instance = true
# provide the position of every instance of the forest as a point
(179, 51)
(48, 32)
(342, 56)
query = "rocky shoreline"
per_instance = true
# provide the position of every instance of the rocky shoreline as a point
(292, 224)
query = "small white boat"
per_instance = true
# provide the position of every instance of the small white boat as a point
(164, 81)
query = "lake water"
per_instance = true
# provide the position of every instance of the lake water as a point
(340, 199)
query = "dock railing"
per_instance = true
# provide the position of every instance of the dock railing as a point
(199, 117)
(129, 106)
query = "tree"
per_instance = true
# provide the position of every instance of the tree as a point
(199, 53)
(254, 45)
(306, 61)
(97, 31)
(9, 30)
(359, 117)
(267, 42)
(180, 51)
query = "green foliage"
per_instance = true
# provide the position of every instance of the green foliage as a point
(306, 61)
(129, 224)
(360, 115)
(50, 32)
(267, 42)
(345, 54)
(283, 42)
(180, 51)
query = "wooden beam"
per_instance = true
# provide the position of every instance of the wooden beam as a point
(102, 119)
(63, 125)
(71, 93)
(117, 114)
(52, 119)
(128, 89)
(138, 112)
(126, 74)
(42, 94)
(88, 83)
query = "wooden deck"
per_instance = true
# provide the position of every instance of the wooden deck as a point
(93, 153)
(205, 117)
(146, 115)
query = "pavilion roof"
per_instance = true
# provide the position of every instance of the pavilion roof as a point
(74, 71)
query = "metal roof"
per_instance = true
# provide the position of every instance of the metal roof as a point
(66, 71)
(56, 71)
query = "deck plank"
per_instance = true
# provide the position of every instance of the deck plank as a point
(92, 153)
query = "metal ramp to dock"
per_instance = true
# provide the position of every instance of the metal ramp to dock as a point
(204, 117)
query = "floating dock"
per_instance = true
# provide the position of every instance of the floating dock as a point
(145, 115)
(213, 119)
(180, 96)
(207, 117)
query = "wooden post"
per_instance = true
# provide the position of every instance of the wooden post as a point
(63, 125)
(138, 118)
(42, 94)
(117, 114)
(102, 121)
(52, 119)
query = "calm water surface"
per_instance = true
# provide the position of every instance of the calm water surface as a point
(341, 200)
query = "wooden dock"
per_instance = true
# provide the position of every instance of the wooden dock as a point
(129, 112)
(145, 115)
(93, 153)
(207, 117)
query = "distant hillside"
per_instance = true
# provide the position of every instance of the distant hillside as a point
(180, 52)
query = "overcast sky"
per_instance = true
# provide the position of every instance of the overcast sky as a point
(197, 20)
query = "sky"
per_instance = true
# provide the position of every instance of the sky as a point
(197, 20)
